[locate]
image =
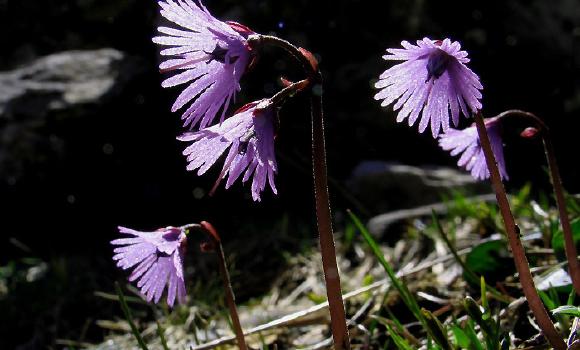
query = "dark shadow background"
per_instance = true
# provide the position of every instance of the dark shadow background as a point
(68, 180)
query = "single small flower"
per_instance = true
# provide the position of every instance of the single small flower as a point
(433, 81)
(466, 141)
(157, 259)
(211, 56)
(249, 135)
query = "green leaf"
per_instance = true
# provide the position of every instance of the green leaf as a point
(461, 339)
(558, 237)
(399, 341)
(476, 313)
(490, 259)
(438, 332)
(550, 304)
(567, 310)
(470, 331)
(316, 298)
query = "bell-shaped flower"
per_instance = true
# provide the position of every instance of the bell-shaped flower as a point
(466, 142)
(433, 82)
(156, 259)
(249, 136)
(209, 55)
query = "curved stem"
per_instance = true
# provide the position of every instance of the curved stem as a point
(326, 237)
(513, 233)
(289, 91)
(324, 217)
(569, 246)
(259, 39)
(230, 299)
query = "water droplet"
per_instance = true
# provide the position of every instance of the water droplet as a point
(198, 193)
(108, 149)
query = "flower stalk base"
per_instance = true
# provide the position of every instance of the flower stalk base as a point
(513, 233)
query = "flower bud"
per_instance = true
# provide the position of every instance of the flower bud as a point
(529, 133)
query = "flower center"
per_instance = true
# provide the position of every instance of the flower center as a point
(245, 141)
(220, 54)
(437, 64)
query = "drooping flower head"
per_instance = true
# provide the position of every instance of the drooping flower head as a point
(466, 142)
(210, 55)
(249, 136)
(433, 81)
(157, 259)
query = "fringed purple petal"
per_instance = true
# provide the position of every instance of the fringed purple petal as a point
(432, 82)
(212, 54)
(157, 260)
(249, 136)
(466, 142)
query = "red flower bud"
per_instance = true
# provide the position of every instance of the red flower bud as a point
(285, 82)
(529, 133)
(244, 30)
(310, 57)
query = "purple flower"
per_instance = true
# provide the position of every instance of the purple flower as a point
(466, 141)
(434, 80)
(249, 135)
(212, 56)
(158, 261)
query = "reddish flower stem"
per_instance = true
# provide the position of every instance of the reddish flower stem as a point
(230, 299)
(513, 233)
(570, 247)
(326, 237)
(289, 91)
(258, 40)
(324, 217)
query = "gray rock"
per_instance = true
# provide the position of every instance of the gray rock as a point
(55, 87)
(63, 80)
(383, 186)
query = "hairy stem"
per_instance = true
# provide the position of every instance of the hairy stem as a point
(230, 299)
(258, 40)
(324, 218)
(570, 247)
(513, 233)
(289, 91)
(326, 237)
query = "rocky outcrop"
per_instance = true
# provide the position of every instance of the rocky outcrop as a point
(68, 83)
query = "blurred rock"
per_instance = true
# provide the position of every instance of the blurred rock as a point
(64, 80)
(383, 186)
(66, 83)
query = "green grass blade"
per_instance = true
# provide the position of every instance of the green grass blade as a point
(407, 297)
(470, 331)
(400, 342)
(472, 275)
(438, 331)
(129, 317)
(161, 334)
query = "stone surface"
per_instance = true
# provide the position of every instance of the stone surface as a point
(69, 83)
(384, 187)
(63, 80)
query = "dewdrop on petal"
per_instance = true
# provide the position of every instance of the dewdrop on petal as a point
(249, 135)
(433, 83)
(156, 259)
(209, 55)
(466, 142)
